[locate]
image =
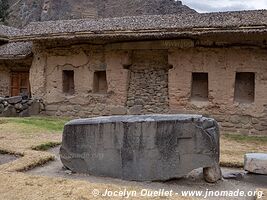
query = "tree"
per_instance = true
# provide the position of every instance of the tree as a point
(3, 9)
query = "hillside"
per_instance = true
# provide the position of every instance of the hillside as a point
(21, 12)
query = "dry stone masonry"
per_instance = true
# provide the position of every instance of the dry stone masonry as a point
(148, 85)
(20, 107)
(142, 148)
(148, 92)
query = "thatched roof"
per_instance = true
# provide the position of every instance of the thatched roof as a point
(150, 25)
(6, 31)
(15, 50)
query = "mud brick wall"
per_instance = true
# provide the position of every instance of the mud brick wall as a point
(146, 78)
(4, 81)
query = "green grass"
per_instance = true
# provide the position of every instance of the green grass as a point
(49, 124)
(246, 138)
(46, 146)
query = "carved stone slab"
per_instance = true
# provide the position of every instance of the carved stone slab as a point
(142, 148)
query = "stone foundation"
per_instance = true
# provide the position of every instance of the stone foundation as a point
(20, 107)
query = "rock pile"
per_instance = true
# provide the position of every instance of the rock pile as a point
(19, 106)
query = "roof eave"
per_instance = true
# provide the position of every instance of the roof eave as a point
(14, 57)
(141, 33)
(2, 38)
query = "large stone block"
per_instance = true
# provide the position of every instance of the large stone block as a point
(142, 148)
(256, 163)
(14, 100)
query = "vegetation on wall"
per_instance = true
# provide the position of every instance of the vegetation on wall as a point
(3, 10)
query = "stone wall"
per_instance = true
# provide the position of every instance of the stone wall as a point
(20, 107)
(148, 86)
(147, 78)
(4, 81)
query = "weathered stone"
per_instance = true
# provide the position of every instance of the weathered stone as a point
(24, 113)
(24, 101)
(260, 127)
(25, 106)
(18, 106)
(77, 107)
(139, 102)
(34, 109)
(130, 103)
(256, 163)
(143, 148)
(245, 119)
(136, 110)
(2, 107)
(5, 103)
(14, 100)
(42, 106)
(118, 110)
(30, 102)
(235, 119)
(255, 121)
(212, 174)
(2, 99)
(51, 107)
(9, 111)
(234, 175)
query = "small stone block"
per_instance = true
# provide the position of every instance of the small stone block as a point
(256, 163)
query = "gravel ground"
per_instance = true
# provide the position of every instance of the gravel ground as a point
(194, 181)
(6, 158)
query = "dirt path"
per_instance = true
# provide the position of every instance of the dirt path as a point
(193, 182)
(6, 158)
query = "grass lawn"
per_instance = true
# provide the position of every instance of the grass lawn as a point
(28, 137)
(234, 147)
(23, 136)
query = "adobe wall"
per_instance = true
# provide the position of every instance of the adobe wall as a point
(46, 80)
(4, 81)
(222, 65)
(151, 79)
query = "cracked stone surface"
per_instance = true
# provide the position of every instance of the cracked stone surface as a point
(142, 148)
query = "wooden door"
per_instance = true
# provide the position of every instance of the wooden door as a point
(20, 84)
